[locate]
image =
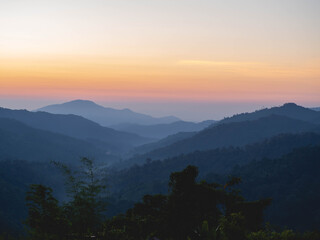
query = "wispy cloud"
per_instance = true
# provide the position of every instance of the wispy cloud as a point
(217, 63)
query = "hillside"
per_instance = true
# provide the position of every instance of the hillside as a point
(293, 183)
(130, 185)
(15, 179)
(77, 127)
(231, 134)
(159, 131)
(134, 182)
(290, 110)
(160, 144)
(19, 141)
(104, 116)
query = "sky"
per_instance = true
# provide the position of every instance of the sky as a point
(196, 59)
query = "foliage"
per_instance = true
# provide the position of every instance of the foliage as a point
(46, 220)
(86, 206)
(78, 218)
(191, 210)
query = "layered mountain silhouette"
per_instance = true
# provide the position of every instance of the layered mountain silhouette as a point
(163, 130)
(19, 141)
(290, 110)
(139, 180)
(77, 127)
(241, 130)
(104, 116)
(161, 143)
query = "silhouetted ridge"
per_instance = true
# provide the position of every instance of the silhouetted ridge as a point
(159, 131)
(19, 141)
(232, 134)
(77, 127)
(104, 115)
(290, 110)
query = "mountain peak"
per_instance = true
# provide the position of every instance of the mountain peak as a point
(290, 110)
(104, 115)
(290, 105)
(80, 102)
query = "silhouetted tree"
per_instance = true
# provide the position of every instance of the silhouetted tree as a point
(46, 220)
(87, 204)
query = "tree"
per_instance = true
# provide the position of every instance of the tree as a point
(46, 219)
(80, 217)
(87, 204)
(192, 210)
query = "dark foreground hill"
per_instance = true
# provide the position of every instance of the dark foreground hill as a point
(293, 182)
(104, 116)
(235, 134)
(77, 127)
(136, 181)
(15, 179)
(128, 186)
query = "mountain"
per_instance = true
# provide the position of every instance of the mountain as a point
(104, 116)
(77, 127)
(293, 183)
(151, 177)
(130, 185)
(159, 131)
(290, 110)
(16, 176)
(19, 141)
(316, 109)
(161, 143)
(231, 134)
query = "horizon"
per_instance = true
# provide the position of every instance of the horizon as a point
(161, 57)
(207, 111)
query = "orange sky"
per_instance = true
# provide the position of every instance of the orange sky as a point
(158, 79)
(161, 50)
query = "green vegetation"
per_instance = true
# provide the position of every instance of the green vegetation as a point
(78, 218)
(191, 210)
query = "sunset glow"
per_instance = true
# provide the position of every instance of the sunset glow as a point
(161, 50)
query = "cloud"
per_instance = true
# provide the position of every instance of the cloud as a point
(216, 63)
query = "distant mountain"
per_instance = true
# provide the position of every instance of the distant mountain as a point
(163, 130)
(19, 141)
(104, 116)
(231, 134)
(77, 127)
(290, 110)
(316, 109)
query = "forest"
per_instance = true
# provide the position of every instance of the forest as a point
(254, 178)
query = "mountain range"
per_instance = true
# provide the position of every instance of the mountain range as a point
(160, 131)
(249, 145)
(151, 177)
(103, 115)
(75, 126)
(239, 130)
